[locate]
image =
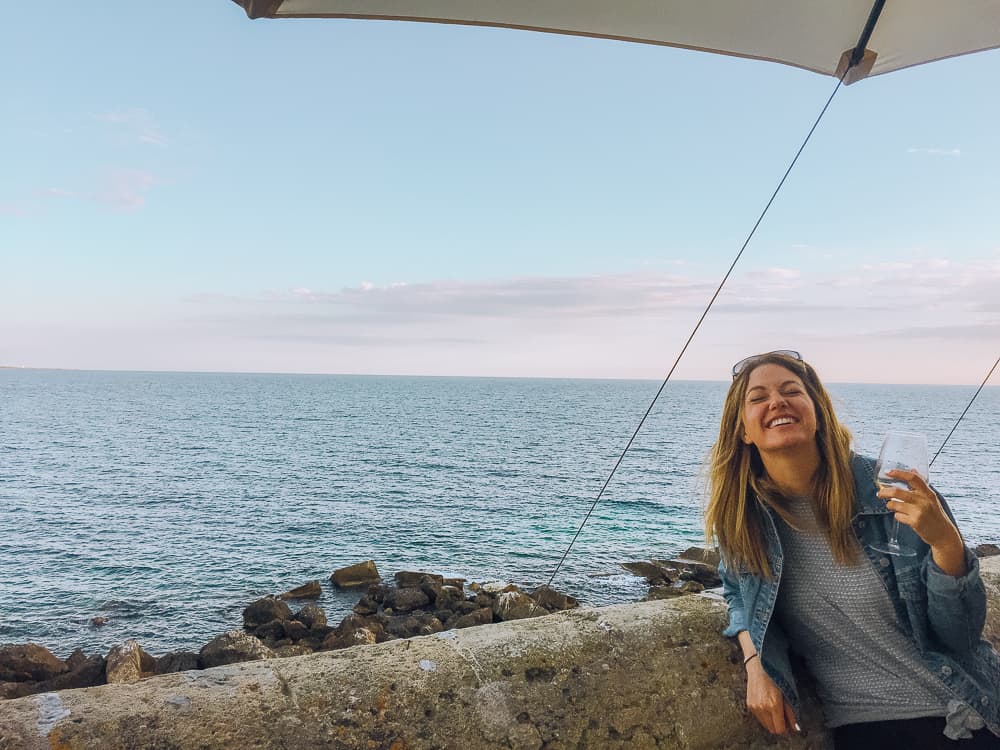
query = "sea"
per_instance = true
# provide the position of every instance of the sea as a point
(166, 502)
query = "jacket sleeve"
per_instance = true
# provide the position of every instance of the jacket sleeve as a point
(733, 595)
(956, 605)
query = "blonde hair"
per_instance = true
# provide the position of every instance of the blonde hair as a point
(739, 487)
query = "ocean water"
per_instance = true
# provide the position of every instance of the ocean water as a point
(166, 502)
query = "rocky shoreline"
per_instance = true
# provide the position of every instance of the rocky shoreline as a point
(411, 603)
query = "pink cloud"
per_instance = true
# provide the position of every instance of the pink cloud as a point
(125, 189)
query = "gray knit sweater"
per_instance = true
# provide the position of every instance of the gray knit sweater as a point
(840, 620)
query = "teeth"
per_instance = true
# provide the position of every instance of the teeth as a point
(780, 421)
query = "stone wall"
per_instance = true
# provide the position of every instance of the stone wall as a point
(650, 675)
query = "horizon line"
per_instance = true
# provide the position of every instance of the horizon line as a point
(32, 368)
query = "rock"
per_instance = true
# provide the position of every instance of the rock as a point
(408, 626)
(466, 607)
(312, 616)
(364, 637)
(694, 570)
(177, 661)
(652, 572)
(432, 589)
(355, 576)
(701, 554)
(293, 649)
(552, 600)
(271, 631)
(29, 663)
(128, 663)
(232, 647)
(366, 606)
(483, 616)
(11, 690)
(494, 587)
(264, 611)
(447, 597)
(458, 583)
(514, 605)
(406, 600)
(678, 588)
(310, 590)
(409, 578)
(84, 671)
(97, 622)
(986, 550)
(296, 630)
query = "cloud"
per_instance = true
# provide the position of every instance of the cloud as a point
(935, 151)
(14, 209)
(125, 189)
(136, 124)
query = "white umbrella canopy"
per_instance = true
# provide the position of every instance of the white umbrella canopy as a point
(817, 35)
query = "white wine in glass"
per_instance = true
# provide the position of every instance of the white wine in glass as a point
(900, 450)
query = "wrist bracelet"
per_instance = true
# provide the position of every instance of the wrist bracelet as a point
(747, 660)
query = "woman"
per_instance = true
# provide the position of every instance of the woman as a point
(894, 643)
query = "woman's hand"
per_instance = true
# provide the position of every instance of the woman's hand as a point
(920, 509)
(766, 702)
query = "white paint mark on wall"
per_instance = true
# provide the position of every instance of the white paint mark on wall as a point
(50, 712)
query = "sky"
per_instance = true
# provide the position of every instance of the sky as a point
(182, 188)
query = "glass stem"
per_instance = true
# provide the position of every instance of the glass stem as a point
(895, 532)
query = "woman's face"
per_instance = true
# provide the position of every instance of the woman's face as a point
(778, 414)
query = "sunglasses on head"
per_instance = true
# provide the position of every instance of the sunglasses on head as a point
(748, 361)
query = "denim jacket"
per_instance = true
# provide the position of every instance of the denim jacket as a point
(944, 615)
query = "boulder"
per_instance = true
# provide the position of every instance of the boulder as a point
(408, 626)
(11, 690)
(678, 588)
(701, 554)
(467, 607)
(653, 573)
(310, 590)
(366, 606)
(29, 663)
(84, 671)
(515, 605)
(128, 663)
(355, 576)
(177, 661)
(447, 597)
(406, 600)
(987, 550)
(408, 578)
(493, 587)
(552, 600)
(296, 630)
(271, 631)
(483, 616)
(694, 570)
(264, 611)
(312, 616)
(232, 647)
(293, 649)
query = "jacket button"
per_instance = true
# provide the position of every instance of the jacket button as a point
(946, 670)
(984, 700)
(884, 562)
(861, 524)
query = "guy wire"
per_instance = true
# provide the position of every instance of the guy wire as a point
(967, 406)
(697, 325)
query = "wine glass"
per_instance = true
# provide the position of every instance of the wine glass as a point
(900, 450)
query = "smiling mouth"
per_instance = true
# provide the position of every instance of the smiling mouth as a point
(780, 421)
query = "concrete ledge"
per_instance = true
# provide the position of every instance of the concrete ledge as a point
(648, 675)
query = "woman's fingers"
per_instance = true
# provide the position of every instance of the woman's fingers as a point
(790, 721)
(766, 702)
